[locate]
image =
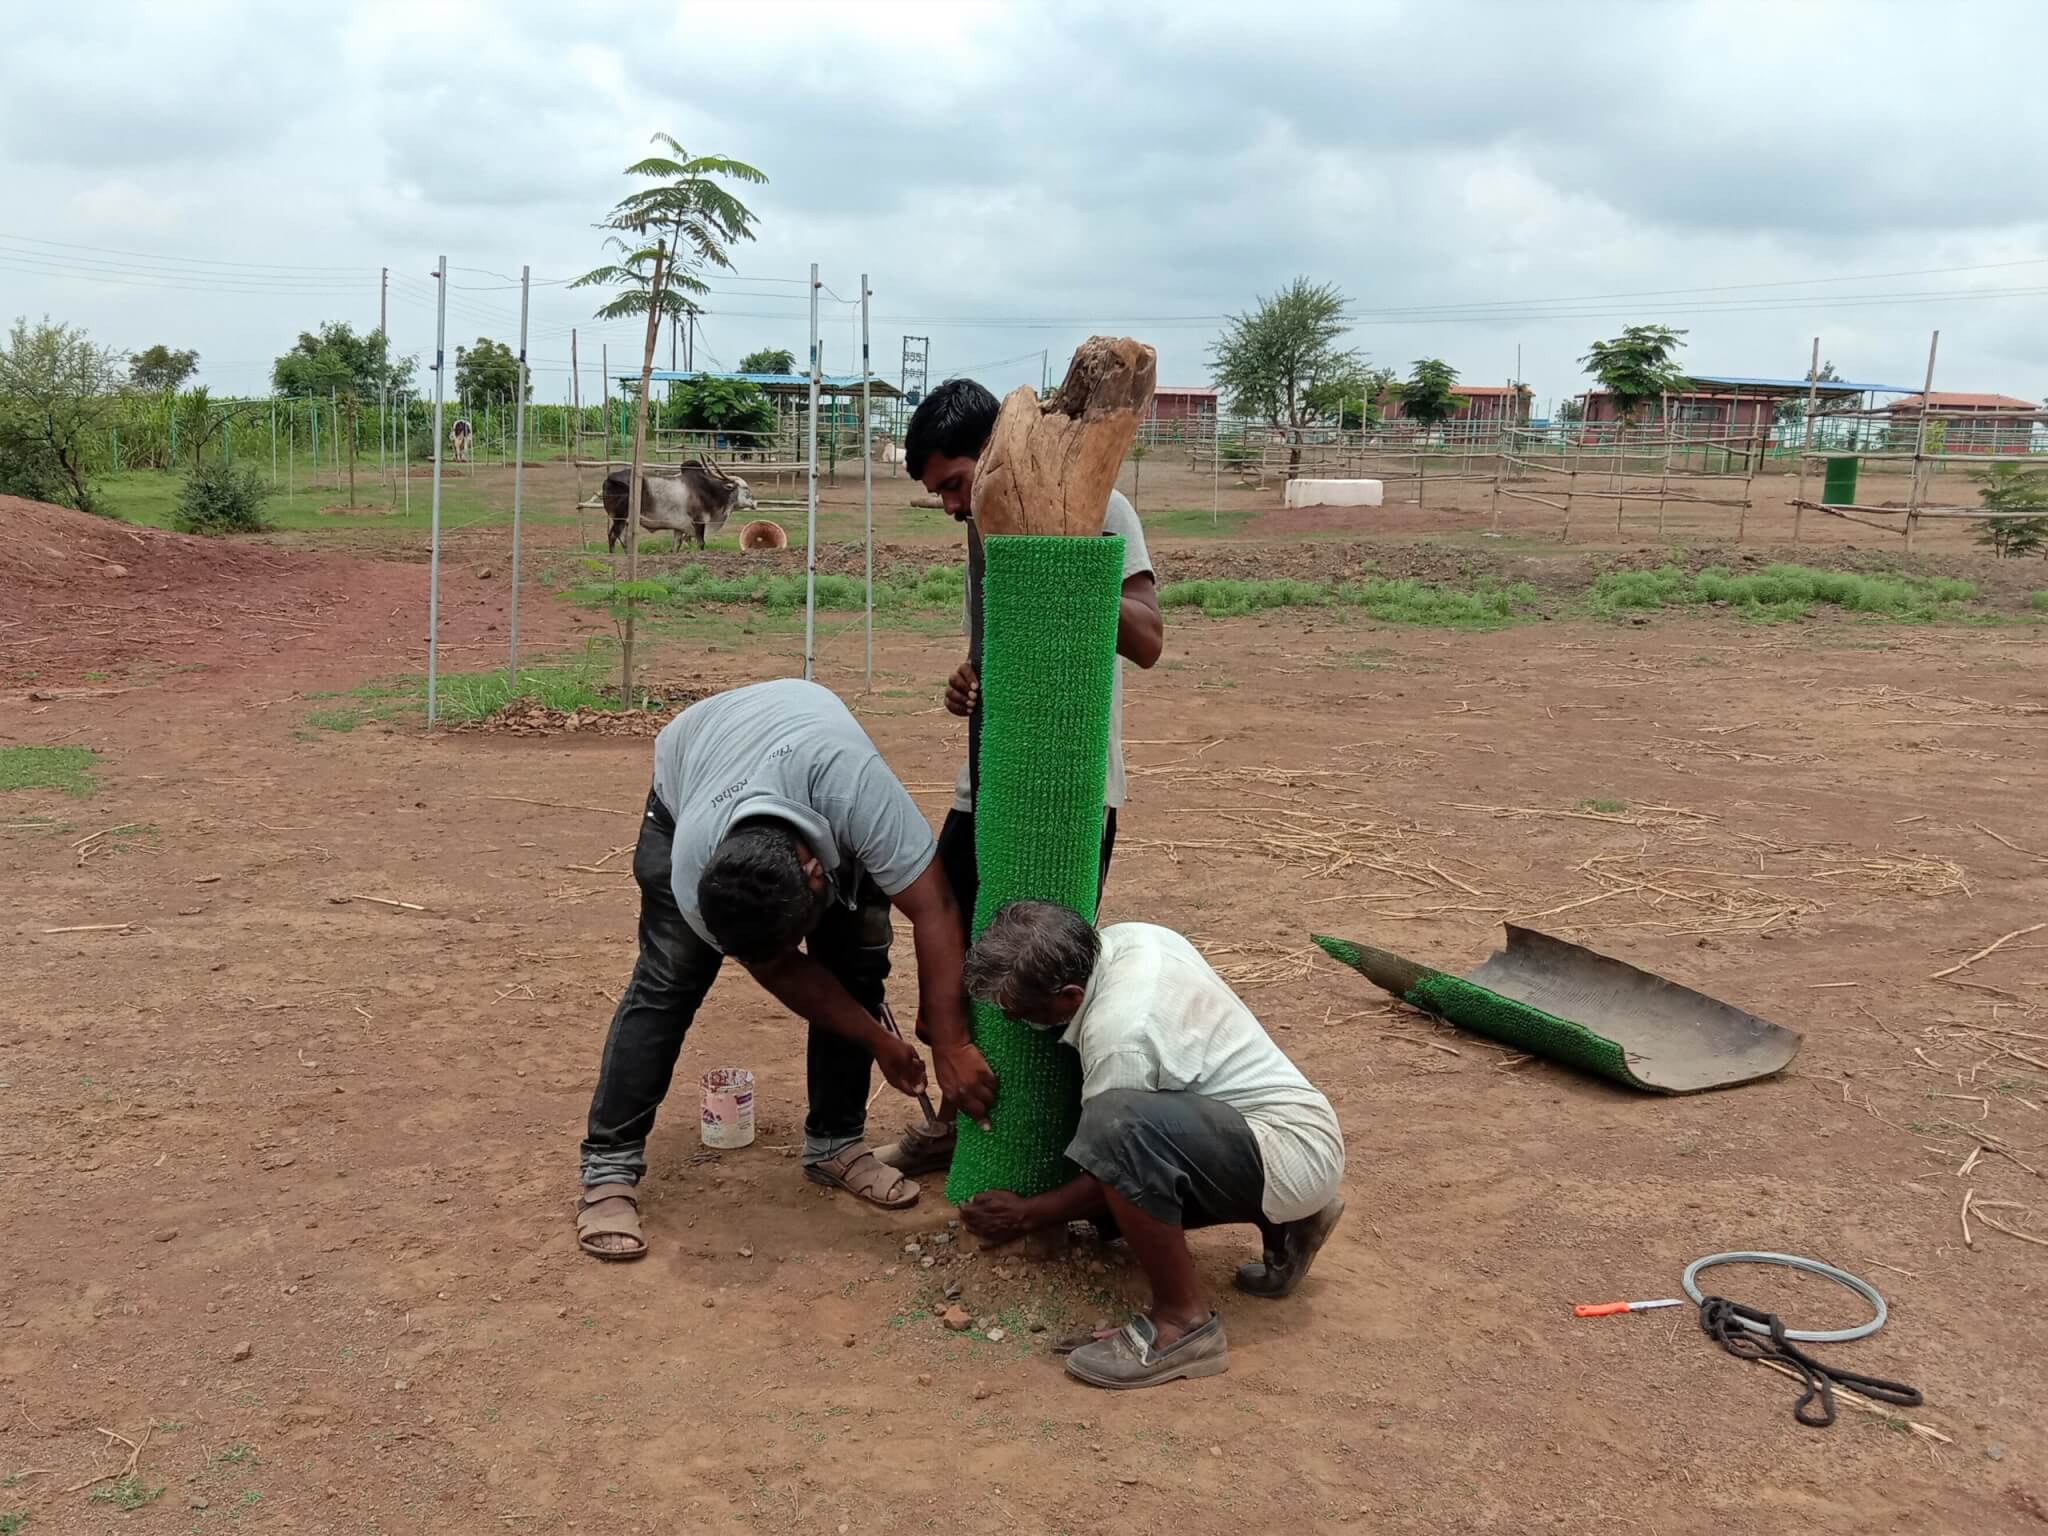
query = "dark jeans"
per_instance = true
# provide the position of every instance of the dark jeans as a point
(956, 858)
(1182, 1158)
(674, 971)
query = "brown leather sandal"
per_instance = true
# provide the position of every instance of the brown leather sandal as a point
(859, 1172)
(610, 1210)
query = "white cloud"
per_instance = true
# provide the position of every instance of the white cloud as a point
(1013, 178)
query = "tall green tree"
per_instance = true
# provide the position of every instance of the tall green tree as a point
(720, 405)
(335, 356)
(58, 391)
(769, 360)
(1428, 395)
(161, 369)
(1352, 400)
(488, 371)
(665, 235)
(1637, 366)
(1272, 361)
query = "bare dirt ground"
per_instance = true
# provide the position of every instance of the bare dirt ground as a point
(288, 1169)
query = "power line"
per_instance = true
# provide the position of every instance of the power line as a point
(198, 285)
(131, 280)
(206, 261)
(1658, 293)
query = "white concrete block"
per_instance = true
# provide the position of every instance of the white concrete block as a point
(1333, 493)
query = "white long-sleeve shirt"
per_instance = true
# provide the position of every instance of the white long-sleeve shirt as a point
(1156, 1017)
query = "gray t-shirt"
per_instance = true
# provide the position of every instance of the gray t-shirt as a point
(791, 751)
(1119, 518)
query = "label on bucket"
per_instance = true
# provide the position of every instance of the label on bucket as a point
(728, 1119)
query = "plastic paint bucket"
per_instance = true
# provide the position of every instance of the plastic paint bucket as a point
(728, 1108)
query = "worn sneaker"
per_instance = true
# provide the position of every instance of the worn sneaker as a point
(1284, 1268)
(926, 1147)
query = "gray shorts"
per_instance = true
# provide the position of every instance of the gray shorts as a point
(1181, 1158)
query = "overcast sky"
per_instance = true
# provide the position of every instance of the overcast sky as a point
(1014, 178)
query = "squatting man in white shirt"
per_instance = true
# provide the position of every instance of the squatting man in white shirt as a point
(1190, 1117)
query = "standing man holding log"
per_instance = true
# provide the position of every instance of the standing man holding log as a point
(943, 446)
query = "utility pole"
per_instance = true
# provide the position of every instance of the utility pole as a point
(518, 469)
(811, 495)
(384, 368)
(867, 478)
(434, 558)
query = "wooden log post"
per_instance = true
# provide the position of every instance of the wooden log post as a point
(1049, 467)
(1051, 590)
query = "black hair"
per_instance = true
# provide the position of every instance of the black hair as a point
(954, 420)
(753, 894)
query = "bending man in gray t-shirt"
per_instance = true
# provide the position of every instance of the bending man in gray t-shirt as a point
(772, 823)
(942, 446)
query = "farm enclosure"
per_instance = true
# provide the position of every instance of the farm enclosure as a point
(281, 1112)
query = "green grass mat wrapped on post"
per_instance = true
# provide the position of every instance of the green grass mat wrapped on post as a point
(1049, 608)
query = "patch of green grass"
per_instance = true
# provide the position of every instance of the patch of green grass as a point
(336, 719)
(150, 497)
(1781, 592)
(65, 768)
(940, 589)
(1390, 600)
(35, 826)
(126, 1493)
(464, 696)
(1195, 522)
(1227, 599)
(1406, 601)
(1606, 807)
(2038, 602)
(240, 1454)
(9, 1524)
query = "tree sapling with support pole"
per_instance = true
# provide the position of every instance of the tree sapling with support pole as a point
(685, 208)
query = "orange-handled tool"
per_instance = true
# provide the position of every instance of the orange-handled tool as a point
(1610, 1308)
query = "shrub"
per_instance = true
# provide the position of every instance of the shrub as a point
(217, 499)
(2022, 492)
(28, 468)
(2014, 538)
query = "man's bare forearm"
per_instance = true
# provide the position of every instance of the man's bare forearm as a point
(1080, 1200)
(1140, 626)
(941, 998)
(815, 995)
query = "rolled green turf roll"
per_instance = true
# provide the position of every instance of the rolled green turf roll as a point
(1049, 607)
(1486, 1012)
